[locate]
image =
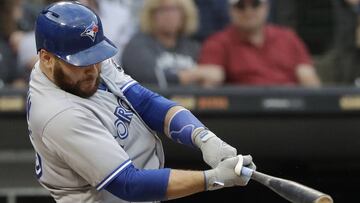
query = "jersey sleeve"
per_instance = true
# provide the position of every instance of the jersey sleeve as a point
(78, 138)
(115, 77)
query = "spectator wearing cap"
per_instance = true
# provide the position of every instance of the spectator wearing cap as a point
(252, 52)
(213, 15)
(162, 53)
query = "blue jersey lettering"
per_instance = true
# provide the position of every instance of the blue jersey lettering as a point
(124, 115)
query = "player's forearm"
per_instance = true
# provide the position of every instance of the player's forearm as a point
(184, 183)
(153, 185)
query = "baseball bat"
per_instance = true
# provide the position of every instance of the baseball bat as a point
(290, 190)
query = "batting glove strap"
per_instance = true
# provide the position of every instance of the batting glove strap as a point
(201, 136)
(211, 181)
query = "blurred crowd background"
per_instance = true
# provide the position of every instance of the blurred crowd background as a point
(306, 134)
(207, 43)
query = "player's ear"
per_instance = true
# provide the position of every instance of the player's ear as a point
(47, 59)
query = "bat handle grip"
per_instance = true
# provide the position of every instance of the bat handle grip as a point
(241, 170)
(245, 171)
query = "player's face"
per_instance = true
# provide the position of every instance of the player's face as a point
(250, 15)
(83, 81)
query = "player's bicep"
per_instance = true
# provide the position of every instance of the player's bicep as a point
(85, 145)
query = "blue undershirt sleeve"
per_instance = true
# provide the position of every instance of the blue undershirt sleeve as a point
(140, 185)
(150, 106)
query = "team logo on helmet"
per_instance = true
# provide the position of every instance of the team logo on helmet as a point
(91, 31)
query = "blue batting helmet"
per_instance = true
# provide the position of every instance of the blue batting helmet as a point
(74, 33)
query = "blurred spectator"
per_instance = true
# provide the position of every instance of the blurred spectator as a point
(8, 68)
(341, 65)
(254, 53)
(162, 53)
(24, 38)
(28, 13)
(214, 16)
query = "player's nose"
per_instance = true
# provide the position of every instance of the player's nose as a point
(91, 70)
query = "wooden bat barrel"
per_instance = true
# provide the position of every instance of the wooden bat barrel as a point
(290, 190)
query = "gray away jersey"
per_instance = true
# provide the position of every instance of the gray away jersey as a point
(81, 144)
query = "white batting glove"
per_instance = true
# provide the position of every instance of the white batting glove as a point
(213, 149)
(224, 174)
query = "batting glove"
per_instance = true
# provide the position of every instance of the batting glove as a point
(213, 149)
(224, 174)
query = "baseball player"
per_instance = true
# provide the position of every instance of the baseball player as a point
(94, 128)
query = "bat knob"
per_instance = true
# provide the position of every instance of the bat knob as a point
(247, 172)
(241, 170)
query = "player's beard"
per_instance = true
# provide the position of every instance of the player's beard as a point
(60, 80)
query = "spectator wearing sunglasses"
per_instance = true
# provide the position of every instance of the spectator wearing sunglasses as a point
(252, 52)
